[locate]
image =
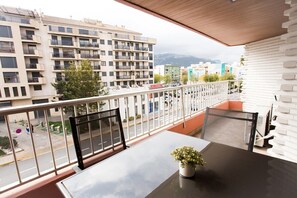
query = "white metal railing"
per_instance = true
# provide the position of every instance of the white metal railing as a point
(50, 147)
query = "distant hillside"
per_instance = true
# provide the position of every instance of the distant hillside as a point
(180, 60)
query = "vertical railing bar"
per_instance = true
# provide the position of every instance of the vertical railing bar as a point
(172, 109)
(128, 127)
(135, 115)
(110, 128)
(164, 99)
(33, 143)
(13, 149)
(100, 130)
(183, 106)
(89, 127)
(141, 115)
(148, 115)
(50, 140)
(65, 134)
(159, 109)
(153, 111)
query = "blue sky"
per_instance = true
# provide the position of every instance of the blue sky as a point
(170, 38)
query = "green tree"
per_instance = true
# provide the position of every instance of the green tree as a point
(80, 82)
(158, 78)
(194, 78)
(167, 79)
(227, 76)
(184, 77)
(211, 77)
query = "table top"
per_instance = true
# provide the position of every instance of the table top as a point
(232, 172)
(134, 172)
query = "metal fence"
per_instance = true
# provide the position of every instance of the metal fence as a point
(44, 133)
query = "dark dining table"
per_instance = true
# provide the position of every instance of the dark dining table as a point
(148, 170)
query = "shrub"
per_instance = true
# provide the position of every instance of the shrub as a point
(5, 144)
(138, 116)
(125, 120)
(131, 118)
(2, 152)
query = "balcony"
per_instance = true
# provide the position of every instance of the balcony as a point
(32, 52)
(122, 57)
(34, 67)
(141, 48)
(142, 67)
(96, 67)
(123, 67)
(7, 49)
(141, 58)
(121, 37)
(122, 47)
(141, 77)
(60, 67)
(89, 56)
(87, 44)
(30, 38)
(63, 55)
(123, 77)
(62, 43)
(36, 81)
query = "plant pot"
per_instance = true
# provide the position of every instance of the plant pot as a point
(187, 170)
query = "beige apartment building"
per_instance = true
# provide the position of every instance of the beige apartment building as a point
(35, 49)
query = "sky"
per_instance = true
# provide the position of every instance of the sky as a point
(171, 38)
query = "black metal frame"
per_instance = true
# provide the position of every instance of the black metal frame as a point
(253, 120)
(75, 135)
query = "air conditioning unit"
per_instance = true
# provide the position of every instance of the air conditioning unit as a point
(263, 125)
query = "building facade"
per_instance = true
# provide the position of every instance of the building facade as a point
(35, 49)
(172, 70)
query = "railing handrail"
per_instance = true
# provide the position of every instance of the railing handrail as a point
(28, 108)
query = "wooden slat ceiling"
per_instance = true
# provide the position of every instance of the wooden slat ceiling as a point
(231, 23)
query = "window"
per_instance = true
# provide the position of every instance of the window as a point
(111, 84)
(6, 91)
(67, 41)
(23, 91)
(6, 46)
(105, 84)
(102, 53)
(37, 87)
(11, 77)
(8, 62)
(82, 31)
(61, 29)
(103, 73)
(110, 63)
(5, 31)
(102, 42)
(110, 73)
(103, 63)
(109, 42)
(15, 91)
(109, 53)
(150, 47)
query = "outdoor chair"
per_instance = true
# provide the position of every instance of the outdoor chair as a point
(95, 133)
(233, 128)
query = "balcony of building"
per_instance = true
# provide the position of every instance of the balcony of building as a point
(34, 67)
(32, 52)
(141, 77)
(63, 55)
(141, 67)
(121, 67)
(63, 44)
(59, 68)
(122, 58)
(89, 56)
(88, 44)
(144, 49)
(27, 38)
(121, 37)
(7, 47)
(122, 48)
(36, 80)
(123, 77)
(141, 58)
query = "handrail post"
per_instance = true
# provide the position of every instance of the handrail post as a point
(183, 107)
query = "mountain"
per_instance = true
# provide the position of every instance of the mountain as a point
(180, 60)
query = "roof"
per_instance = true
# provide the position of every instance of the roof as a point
(231, 22)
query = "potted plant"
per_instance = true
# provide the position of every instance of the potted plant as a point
(188, 158)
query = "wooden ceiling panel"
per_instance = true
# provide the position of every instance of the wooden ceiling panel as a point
(231, 23)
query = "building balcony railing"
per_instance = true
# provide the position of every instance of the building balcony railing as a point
(50, 118)
(31, 52)
(123, 77)
(121, 36)
(122, 57)
(7, 49)
(61, 67)
(61, 42)
(36, 80)
(30, 38)
(122, 47)
(141, 67)
(88, 44)
(63, 55)
(141, 48)
(141, 76)
(89, 56)
(141, 38)
(34, 66)
(141, 58)
(123, 67)
(96, 67)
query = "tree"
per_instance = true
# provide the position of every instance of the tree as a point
(80, 82)
(211, 77)
(158, 78)
(194, 78)
(227, 76)
(167, 79)
(242, 59)
(184, 78)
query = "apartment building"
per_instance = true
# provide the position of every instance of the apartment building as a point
(172, 70)
(35, 49)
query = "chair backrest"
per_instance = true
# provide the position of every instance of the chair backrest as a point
(96, 132)
(233, 128)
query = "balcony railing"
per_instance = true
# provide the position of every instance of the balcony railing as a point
(141, 57)
(61, 42)
(34, 66)
(140, 38)
(124, 67)
(96, 67)
(141, 48)
(63, 55)
(122, 47)
(122, 36)
(122, 57)
(88, 44)
(141, 67)
(96, 56)
(123, 77)
(50, 148)
(7, 49)
(61, 67)
(141, 76)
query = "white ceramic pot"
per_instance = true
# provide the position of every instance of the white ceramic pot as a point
(187, 170)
